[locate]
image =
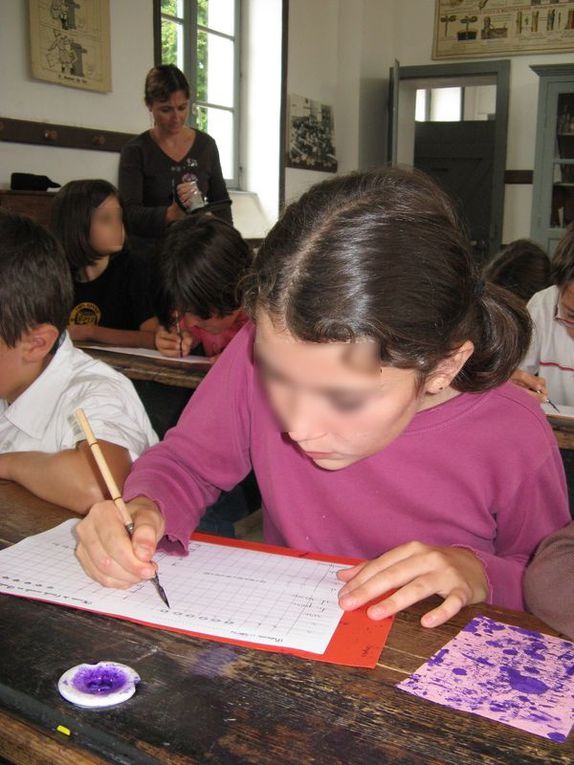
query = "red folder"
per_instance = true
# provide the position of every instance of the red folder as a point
(357, 642)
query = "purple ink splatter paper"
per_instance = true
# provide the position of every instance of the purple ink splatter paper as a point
(509, 674)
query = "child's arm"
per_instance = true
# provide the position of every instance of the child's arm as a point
(208, 451)
(548, 589)
(458, 574)
(69, 478)
(93, 333)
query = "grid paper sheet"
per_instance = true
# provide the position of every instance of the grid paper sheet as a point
(216, 590)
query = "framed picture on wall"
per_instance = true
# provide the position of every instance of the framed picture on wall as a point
(471, 28)
(310, 135)
(70, 42)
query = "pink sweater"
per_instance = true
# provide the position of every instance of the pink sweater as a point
(212, 343)
(481, 470)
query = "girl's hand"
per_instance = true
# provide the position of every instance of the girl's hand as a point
(213, 359)
(80, 333)
(170, 343)
(107, 553)
(533, 384)
(416, 571)
(173, 213)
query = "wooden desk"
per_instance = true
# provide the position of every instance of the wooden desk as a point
(206, 702)
(35, 204)
(564, 437)
(167, 372)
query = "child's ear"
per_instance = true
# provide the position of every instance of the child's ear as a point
(448, 368)
(39, 341)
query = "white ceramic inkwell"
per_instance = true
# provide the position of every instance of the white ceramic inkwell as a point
(98, 685)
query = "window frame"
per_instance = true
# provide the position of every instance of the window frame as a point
(189, 22)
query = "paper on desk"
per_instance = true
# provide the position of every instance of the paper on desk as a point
(227, 591)
(563, 419)
(147, 353)
(513, 675)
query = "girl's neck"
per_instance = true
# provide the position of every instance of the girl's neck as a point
(89, 273)
(430, 400)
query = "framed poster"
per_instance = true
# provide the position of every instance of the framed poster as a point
(310, 135)
(70, 42)
(470, 28)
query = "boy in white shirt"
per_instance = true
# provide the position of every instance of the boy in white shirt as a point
(44, 379)
(549, 363)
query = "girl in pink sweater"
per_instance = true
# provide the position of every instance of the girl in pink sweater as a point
(369, 397)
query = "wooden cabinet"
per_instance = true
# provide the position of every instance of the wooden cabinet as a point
(553, 191)
(36, 204)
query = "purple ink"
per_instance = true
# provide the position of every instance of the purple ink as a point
(98, 685)
(524, 683)
(521, 678)
(99, 679)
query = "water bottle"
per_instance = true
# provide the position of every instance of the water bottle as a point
(185, 174)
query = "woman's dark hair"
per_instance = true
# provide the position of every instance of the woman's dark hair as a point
(35, 282)
(199, 269)
(381, 255)
(563, 260)
(72, 211)
(163, 81)
(522, 268)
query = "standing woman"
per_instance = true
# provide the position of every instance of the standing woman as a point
(161, 169)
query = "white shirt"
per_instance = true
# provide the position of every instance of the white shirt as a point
(551, 352)
(41, 418)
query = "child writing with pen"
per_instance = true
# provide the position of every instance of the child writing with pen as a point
(370, 396)
(198, 275)
(548, 366)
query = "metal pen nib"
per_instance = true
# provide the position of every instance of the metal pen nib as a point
(547, 401)
(155, 579)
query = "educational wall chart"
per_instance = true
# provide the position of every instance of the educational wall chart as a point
(70, 42)
(470, 28)
(310, 135)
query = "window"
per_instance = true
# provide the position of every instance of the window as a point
(201, 37)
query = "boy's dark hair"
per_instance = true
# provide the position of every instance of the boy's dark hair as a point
(563, 260)
(381, 255)
(35, 281)
(162, 82)
(522, 268)
(200, 268)
(72, 211)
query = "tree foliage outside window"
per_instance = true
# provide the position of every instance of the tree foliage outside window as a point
(188, 40)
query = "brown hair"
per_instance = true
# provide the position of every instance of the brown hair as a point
(563, 260)
(199, 269)
(522, 268)
(381, 255)
(71, 218)
(35, 280)
(163, 81)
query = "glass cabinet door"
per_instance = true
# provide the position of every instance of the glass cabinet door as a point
(562, 212)
(553, 189)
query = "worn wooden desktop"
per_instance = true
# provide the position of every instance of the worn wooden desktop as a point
(165, 371)
(207, 702)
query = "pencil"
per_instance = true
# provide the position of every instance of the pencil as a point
(112, 487)
(178, 330)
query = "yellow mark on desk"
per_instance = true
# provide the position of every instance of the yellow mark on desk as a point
(65, 731)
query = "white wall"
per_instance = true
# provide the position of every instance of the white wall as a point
(260, 113)
(313, 72)
(340, 52)
(25, 98)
